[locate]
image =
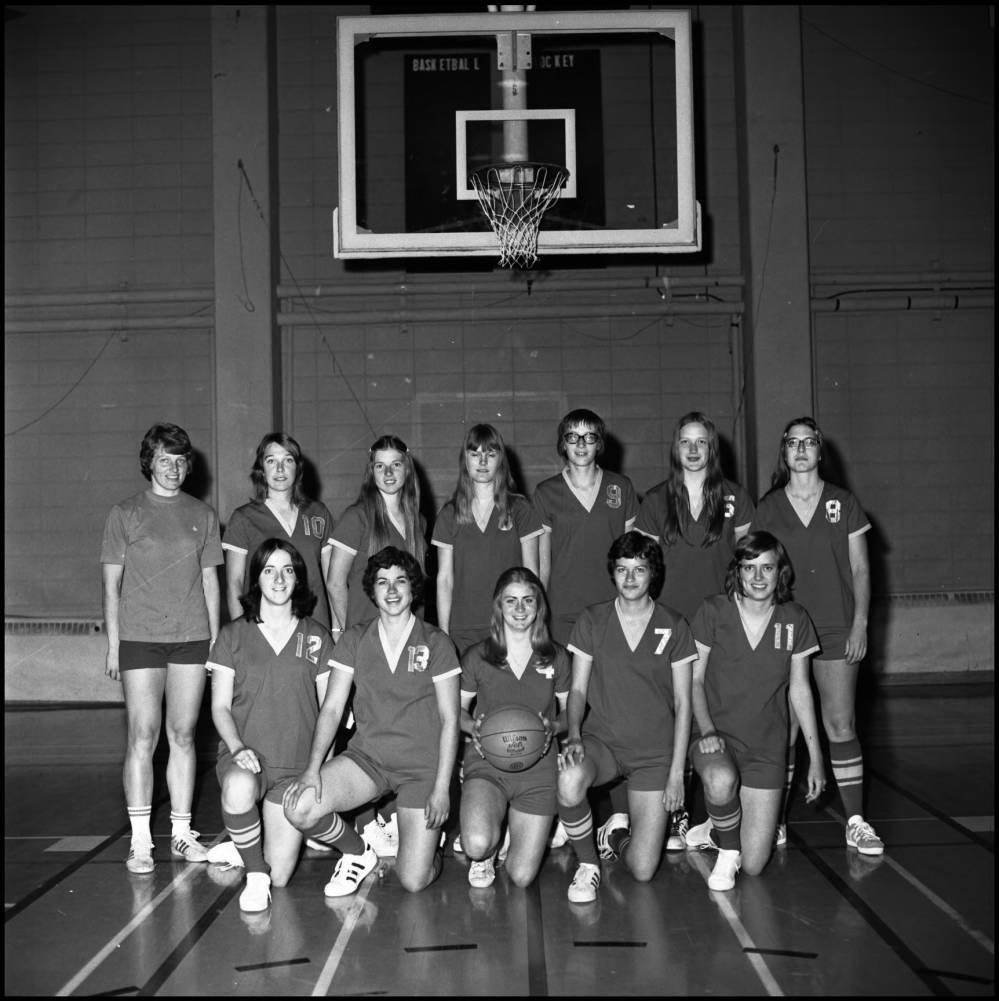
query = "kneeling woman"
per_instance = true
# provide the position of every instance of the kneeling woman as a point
(406, 707)
(753, 645)
(517, 665)
(269, 673)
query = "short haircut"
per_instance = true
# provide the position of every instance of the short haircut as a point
(392, 556)
(303, 601)
(173, 439)
(751, 546)
(581, 416)
(636, 546)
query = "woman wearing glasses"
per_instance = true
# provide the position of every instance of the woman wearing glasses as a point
(485, 528)
(583, 510)
(823, 529)
(159, 560)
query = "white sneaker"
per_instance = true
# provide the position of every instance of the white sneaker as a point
(860, 835)
(584, 885)
(482, 873)
(456, 847)
(780, 837)
(226, 854)
(616, 822)
(700, 836)
(560, 837)
(187, 846)
(349, 872)
(383, 836)
(723, 875)
(140, 858)
(679, 824)
(256, 895)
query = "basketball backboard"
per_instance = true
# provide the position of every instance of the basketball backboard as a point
(424, 100)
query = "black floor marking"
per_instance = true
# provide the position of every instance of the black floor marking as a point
(189, 941)
(783, 952)
(440, 948)
(880, 927)
(537, 964)
(939, 814)
(610, 945)
(269, 966)
(118, 992)
(971, 978)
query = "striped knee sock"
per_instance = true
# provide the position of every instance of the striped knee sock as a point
(180, 823)
(848, 769)
(578, 823)
(138, 818)
(247, 835)
(332, 831)
(726, 818)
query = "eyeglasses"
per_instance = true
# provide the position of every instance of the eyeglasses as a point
(571, 437)
(795, 443)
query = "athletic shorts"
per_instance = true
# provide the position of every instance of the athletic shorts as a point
(832, 643)
(641, 776)
(135, 655)
(757, 767)
(412, 786)
(274, 780)
(531, 791)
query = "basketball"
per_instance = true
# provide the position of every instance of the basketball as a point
(512, 738)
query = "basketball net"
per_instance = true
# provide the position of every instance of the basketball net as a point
(514, 197)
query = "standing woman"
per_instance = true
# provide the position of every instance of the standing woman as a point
(386, 513)
(695, 515)
(516, 665)
(482, 530)
(823, 529)
(280, 510)
(583, 510)
(753, 644)
(269, 668)
(159, 560)
(405, 677)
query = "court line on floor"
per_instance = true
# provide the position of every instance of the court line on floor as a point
(537, 964)
(332, 963)
(980, 937)
(749, 947)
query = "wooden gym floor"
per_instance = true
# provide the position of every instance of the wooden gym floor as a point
(821, 920)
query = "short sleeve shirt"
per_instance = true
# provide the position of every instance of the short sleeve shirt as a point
(693, 571)
(819, 551)
(580, 539)
(746, 688)
(163, 544)
(274, 705)
(481, 556)
(630, 692)
(252, 523)
(395, 705)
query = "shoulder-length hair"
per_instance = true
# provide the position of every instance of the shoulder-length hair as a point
(677, 497)
(751, 546)
(173, 439)
(636, 546)
(303, 600)
(486, 437)
(541, 641)
(782, 472)
(581, 416)
(257, 476)
(372, 503)
(392, 556)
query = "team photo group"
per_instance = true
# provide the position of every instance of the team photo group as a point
(582, 668)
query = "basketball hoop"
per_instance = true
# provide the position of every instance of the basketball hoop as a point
(514, 197)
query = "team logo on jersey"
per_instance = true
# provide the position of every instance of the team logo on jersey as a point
(729, 505)
(833, 510)
(546, 672)
(419, 658)
(614, 496)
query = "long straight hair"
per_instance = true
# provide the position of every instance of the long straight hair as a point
(541, 641)
(372, 503)
(677, 497)
(782, 471)
(259, 479)
(484, 436)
